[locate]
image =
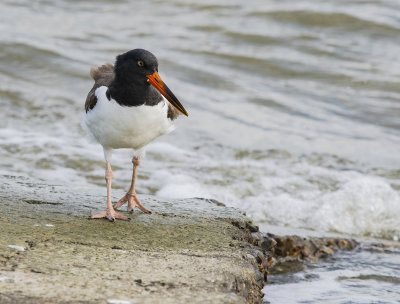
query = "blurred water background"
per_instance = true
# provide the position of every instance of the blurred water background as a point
(294, 116)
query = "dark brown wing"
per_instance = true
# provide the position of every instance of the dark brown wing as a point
(103, 76)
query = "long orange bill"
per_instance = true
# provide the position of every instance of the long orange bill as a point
(156, 82)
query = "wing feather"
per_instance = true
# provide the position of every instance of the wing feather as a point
(102, 76)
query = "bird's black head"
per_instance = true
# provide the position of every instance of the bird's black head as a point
(135, 65)
(136, 76)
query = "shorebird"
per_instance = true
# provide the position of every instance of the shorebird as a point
(128, 107)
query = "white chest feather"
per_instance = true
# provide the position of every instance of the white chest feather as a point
(115, 126)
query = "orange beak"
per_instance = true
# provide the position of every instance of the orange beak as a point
(155, 81)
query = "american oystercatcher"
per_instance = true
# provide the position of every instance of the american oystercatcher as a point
(126, 108)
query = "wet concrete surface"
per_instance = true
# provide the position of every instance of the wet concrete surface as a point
(185, 251)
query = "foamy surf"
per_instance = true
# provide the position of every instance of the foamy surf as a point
(282, 189)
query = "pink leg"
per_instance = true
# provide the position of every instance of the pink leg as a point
(130, 196)
(110, 213)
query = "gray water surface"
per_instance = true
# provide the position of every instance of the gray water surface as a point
(294, 109)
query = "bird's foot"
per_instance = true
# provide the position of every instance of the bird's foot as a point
(111, 215)
(133, 202)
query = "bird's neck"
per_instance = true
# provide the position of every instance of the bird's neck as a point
(131, 93)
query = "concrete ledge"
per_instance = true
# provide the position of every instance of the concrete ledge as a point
(186, 251)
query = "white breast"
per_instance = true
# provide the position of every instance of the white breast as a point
(115, 126)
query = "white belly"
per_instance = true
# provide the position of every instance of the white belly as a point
(115, 126)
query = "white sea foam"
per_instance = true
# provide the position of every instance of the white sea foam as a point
(366, 205)
(283, 191)
(178, 185)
